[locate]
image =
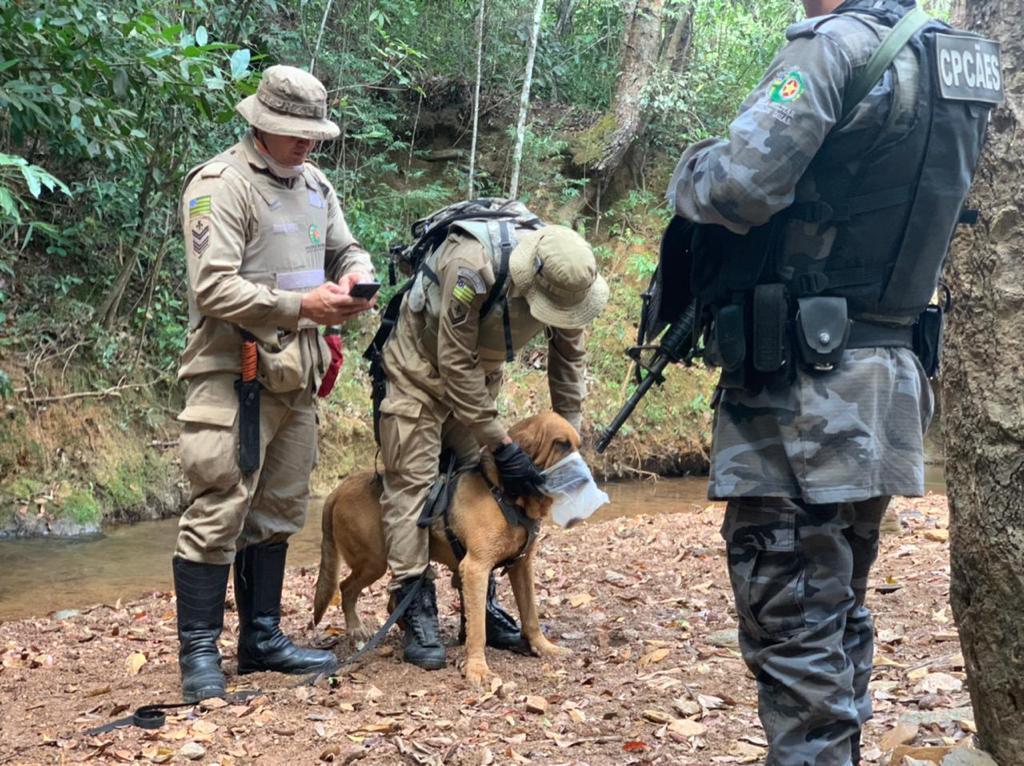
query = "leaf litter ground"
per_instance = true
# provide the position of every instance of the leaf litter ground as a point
(655, 675)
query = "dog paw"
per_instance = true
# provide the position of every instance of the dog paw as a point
(476, 673)
(544, 648)
(360, 634)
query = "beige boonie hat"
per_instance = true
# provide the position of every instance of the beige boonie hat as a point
(556, 272)
(289, 102)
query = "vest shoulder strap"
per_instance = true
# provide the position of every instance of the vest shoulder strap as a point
(882, 58)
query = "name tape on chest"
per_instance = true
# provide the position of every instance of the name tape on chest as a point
(968, 69)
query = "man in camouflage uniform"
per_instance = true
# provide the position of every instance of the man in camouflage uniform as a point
(808, 468)
(269, 257)
(443, 364)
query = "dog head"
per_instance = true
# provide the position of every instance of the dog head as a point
(546, 438)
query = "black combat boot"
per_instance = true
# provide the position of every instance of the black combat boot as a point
(259, 577)
(503, 631)
(423, 645)
(200, 590)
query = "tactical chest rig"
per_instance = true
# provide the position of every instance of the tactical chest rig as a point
(893, 203)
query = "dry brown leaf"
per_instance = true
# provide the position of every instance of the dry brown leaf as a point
(580, 599)
(927, 754)
(934, 683)
(656, 656)
(656, 716)
(686, 727)
(536, 704)
(135, 662)
(203, 726)
(902, 734)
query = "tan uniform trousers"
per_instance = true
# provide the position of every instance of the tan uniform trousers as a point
(412, 436)
(228, 511)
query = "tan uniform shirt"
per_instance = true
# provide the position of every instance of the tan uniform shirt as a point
(445, 352)
(255, 243)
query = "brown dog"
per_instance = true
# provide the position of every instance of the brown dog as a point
(353, 529)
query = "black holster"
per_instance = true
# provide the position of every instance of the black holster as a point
(928, 336)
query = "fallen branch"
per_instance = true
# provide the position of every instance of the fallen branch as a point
(112, 391)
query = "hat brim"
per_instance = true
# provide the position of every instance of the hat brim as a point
(574, 317)
(260, 116)
(542, 308)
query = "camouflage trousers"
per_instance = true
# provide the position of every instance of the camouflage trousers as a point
(799, 573)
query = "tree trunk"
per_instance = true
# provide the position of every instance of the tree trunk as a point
(677, 45)
(476, 94)
(639, 59)
(983, 410)
(564, 11)
(524, 101)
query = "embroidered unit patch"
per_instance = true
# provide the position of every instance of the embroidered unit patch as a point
(315, 236)
(787, 88)
(199, 206)
(200, 237)
(463, 292)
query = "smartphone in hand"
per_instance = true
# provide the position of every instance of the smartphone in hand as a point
(364, 290)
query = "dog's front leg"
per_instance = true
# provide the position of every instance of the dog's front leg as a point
(474, 574)
(520, 576)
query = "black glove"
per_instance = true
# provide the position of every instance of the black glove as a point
(519, 476)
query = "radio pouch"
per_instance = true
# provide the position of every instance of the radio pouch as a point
(822, 329)
(928, 339)
(770, 312)
(730, 336)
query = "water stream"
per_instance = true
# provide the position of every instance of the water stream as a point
(43, 575)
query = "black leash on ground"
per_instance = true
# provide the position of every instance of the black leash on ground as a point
(376, 638)
(154, 716)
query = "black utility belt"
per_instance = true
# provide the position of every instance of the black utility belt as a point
(764, 335)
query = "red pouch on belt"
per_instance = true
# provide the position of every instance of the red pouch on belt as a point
(337, 357)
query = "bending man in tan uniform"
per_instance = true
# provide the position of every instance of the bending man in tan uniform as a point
(270, 258)
(443, 364)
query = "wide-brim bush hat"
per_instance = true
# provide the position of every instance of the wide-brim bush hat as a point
(289, 102)
(555, 270)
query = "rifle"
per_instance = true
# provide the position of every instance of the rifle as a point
(676, 346)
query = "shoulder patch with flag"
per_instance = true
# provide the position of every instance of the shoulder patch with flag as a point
(199, 206)
(787, 87)
(468, 285)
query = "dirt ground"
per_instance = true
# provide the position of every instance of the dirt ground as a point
(655, 676)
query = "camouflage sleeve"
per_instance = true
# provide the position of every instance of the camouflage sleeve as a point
(215, 215)
(741, 182)
(567, 354)
(462, 277)
(344, 254)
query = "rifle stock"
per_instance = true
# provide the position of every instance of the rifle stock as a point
(675, 346)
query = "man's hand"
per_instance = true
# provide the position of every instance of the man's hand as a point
(331, 304)
(520, 477)
(347, 281)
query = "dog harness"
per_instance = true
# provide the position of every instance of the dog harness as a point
(438, 507)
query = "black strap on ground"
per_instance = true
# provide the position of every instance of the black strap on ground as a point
(400, 609)
(145, 717)
(154, 716)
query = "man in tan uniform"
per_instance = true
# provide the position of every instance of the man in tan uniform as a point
(443, 365)
(270, 258)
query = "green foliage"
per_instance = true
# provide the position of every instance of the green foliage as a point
(81, 507)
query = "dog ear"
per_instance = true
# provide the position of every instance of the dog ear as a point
(530, 434)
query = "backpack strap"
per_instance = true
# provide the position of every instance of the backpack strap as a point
(498, 291)
(882, 58)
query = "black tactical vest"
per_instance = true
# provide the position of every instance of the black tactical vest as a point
(893, 199)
